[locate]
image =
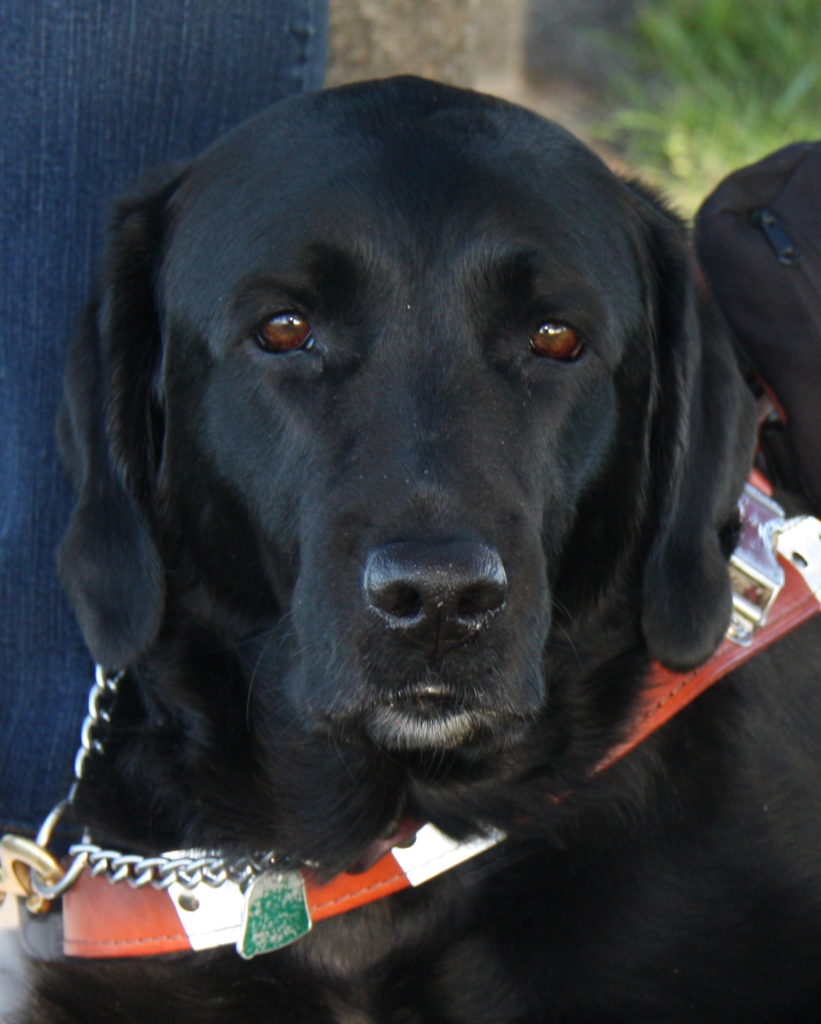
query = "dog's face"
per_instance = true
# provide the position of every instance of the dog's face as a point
(400, 396)
(407, 390)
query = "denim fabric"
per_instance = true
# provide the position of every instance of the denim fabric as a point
(92, 94)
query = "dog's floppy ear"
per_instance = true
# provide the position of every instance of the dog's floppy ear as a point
(110, 435)
(703, 433)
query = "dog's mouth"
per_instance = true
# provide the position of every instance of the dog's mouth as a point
(427, 717)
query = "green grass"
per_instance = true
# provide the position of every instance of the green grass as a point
(716, 84)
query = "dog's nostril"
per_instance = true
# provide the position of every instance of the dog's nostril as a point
(481, 598)
(399, 600)
(450, 586)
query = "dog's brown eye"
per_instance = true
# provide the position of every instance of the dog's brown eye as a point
(283, 332)
(556, 341)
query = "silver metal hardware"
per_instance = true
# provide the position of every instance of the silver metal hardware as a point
(187, 868)
(755, 573)
(98, 716)
(100, 701)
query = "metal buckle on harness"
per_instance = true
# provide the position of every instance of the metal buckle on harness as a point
(755, 573)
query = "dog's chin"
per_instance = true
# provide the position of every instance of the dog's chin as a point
(432, 724)
(413, 726)
(425, 719)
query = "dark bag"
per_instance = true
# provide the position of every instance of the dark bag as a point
(758, 239)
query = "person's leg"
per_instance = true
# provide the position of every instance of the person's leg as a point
(93, 94)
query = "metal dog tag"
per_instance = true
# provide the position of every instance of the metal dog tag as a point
(275, 913)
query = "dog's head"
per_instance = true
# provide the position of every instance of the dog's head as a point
(402, 398)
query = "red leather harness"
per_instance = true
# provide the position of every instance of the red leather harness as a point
(668, 692)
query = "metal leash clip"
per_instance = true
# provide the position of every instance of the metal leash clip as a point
(26, 866)
(27, 869)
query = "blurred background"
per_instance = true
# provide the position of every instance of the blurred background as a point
(680, 92)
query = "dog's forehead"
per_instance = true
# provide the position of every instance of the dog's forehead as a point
(403, 165)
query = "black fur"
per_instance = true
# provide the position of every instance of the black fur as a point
(228, 502)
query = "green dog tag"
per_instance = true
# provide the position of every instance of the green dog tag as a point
(275, 913)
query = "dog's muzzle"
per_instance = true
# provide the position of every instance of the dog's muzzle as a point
(432, 597)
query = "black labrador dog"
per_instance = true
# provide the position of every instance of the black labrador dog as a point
(403, 446)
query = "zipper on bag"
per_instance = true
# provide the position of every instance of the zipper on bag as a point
(786, 250)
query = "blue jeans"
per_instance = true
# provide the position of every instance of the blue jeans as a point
(92, 94)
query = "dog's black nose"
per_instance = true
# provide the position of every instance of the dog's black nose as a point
(444, 589)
